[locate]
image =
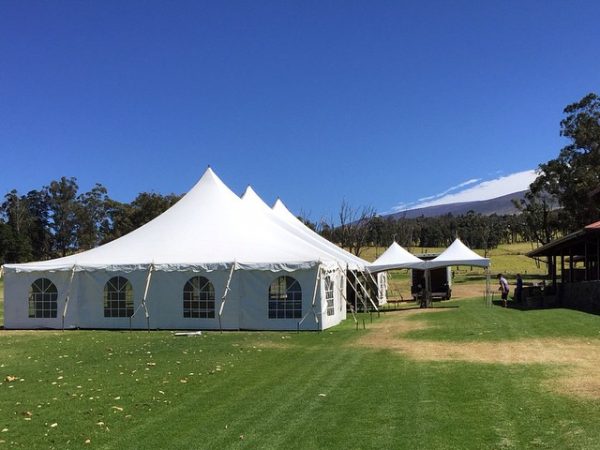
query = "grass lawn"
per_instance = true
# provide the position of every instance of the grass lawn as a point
(383, 387)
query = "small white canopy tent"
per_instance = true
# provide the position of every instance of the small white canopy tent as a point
(395, 257)
(457, 254)
(238, 254)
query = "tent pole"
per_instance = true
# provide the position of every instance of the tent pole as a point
(376, 285)
(224, 297)
(427, 288)
(488, 299)
(67, 297)
(356, 292)
(367, 292)
(148, 278)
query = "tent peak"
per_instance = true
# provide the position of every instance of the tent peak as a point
(279, 205)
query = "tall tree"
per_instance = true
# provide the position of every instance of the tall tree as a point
(63, 214)
(575, 173)
(353, 231)
(92, 217)
(38, 230)
(16, 244)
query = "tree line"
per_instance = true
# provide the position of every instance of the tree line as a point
(58, 220)
(475, 230)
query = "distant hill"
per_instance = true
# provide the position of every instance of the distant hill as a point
(500, 205)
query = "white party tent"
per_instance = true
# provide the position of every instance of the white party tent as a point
(395, 257)
(211, 261)
(458, 254)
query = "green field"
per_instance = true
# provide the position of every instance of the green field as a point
(461, 376)
(381, 387)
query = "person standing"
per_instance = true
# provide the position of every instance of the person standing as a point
(518, 289)
(503, 288)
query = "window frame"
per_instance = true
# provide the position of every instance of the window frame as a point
(43, 302)
(285, 298)
(196, 292)
(121, 301)
(329, 290)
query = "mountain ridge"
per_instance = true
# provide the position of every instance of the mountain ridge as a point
(502, 205)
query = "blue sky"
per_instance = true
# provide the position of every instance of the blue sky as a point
(382, 103)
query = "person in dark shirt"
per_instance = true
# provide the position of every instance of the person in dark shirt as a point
(518, 289)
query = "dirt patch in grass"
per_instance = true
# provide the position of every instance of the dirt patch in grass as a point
(578, 356)
(469, 290)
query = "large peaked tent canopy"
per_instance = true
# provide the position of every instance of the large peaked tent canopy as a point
(354, 262)
(181, 268)
(208, 229)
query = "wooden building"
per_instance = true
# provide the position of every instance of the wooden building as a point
(573, 263)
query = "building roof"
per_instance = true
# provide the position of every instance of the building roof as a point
(566, 242)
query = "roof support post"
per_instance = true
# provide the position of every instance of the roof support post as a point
(68, 297)
(562, 266)
(571, 266)
(585, 260)
(224, 297)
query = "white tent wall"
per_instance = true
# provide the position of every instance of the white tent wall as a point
(246, 305)
(254, 313)
(165, 301)
(16, 299)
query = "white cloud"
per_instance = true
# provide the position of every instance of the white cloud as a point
(485, 190)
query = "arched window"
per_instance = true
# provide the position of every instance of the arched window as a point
(199, 298)
(118, 298)
(285, 299)
(42, 298)
(329, 296)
